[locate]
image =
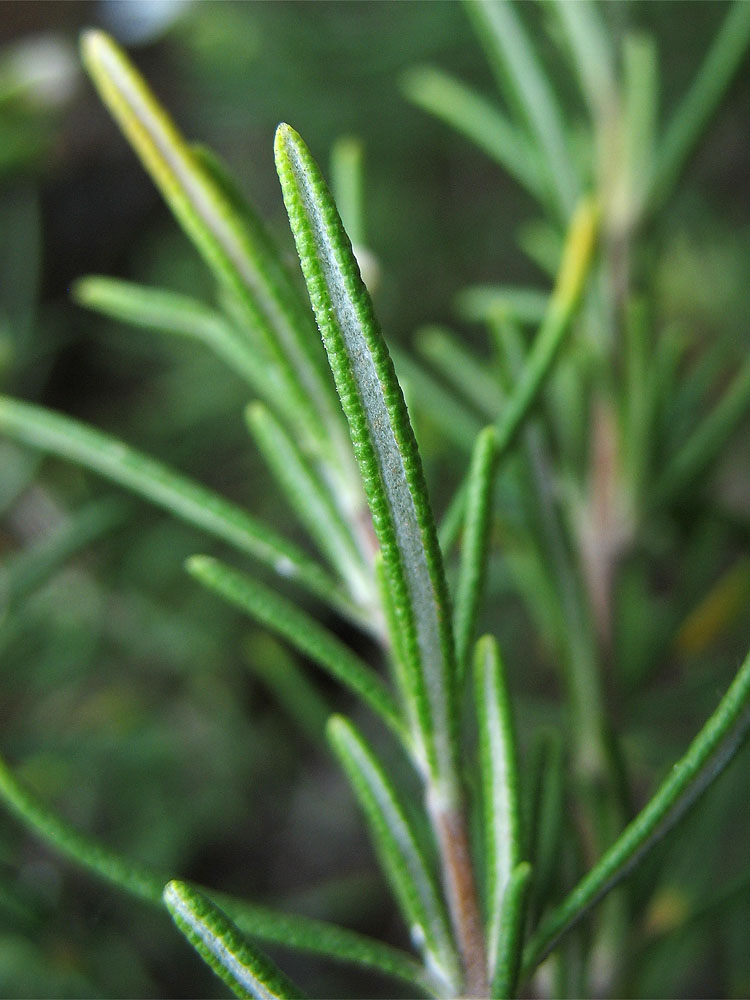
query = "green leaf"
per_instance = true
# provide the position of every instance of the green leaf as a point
(310, 499)
(571, 278)
(245, 970)
(476, 543)
(526, 86)
(479, 120)
(590, 53)
(232, 243)
(138, 880)
(708, 755)
(182, 497)
(640, 113)
(683, 132)
(398, 850)
(302, 631)
(510, 933)
(387, 454)
(497, 759)
(168, 312)
(289, 930)
(574, 269)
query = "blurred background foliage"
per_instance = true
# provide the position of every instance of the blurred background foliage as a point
(141, 706)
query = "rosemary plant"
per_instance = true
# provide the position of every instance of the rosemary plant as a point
(478, 890)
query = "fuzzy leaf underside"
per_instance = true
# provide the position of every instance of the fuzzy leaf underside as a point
(385, 449)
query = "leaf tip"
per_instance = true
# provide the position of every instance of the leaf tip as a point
(197, 565)
(336, 728)
(255, 413)
(284, 138)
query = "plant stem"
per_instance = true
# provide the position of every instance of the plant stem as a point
(449, 824)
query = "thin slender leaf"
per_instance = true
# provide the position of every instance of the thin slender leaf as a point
(182, 497)
(246, 971)
(460, 368)
(510, 933)
(398, 850)
(641, 83)
(526, 86)
(302, 631)
(591, 54)
(168, 312)
(574, 270)
(311, 501)
(137, 880)
(497, 758)
(329, 941)
(704, 444)
(709, 753)
(471, 114)
(544, 808)
(454, 517)
(688, 123)
(386, 451)
(233, 245)
(289, 930)
(476, 543)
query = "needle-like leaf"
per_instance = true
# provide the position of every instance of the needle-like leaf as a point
(246, 971)
(708, 755)
(398, 849)
(169, 312)
(233, 245)
(510, 933)
(497, 758)
(182, 497)
(590, 53)
(526, 86)
(683, 132)
(387, 454)
(479, 120)
(268, 925)
(574, 270)
(302, 631)
(311, 501)
(476, 543)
